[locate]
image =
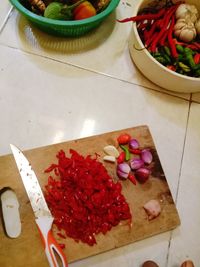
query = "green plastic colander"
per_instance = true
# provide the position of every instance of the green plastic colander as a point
(73, 28)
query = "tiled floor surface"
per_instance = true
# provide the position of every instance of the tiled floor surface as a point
(54, 90)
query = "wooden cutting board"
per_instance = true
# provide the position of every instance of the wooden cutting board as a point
(27, 249)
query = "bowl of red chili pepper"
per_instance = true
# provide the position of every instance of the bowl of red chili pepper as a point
(66, 18)
(165, 43)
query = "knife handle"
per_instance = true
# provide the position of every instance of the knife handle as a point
(52, 249)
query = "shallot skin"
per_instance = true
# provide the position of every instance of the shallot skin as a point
(149, 264)
(152, 208)
(187, 263)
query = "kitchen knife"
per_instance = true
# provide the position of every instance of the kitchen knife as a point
(44, 219)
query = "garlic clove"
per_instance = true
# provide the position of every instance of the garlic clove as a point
(187, 12)
(181, 11)
(187, 35)
(111, 151)
(197, 26)
(109, 158)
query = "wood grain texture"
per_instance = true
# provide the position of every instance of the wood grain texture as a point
(28, 250)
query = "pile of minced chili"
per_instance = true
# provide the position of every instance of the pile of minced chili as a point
(83, 198)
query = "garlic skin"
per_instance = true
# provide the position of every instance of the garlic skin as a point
(187, 10)
(197, 26)
(185, 30)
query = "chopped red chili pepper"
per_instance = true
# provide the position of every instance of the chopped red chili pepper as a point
(62, 246)
(84, 200)
(61, 235)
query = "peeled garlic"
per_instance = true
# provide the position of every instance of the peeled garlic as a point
(109, 158)
(112, 151)
(185, 30)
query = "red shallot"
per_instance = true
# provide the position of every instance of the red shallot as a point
(136, 163)
(133, 144)
(146, 156)
(123, 170)
(142, 174)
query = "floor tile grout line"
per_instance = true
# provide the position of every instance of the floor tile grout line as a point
(177, 191)
(186, 130)
(93, 71)
(6, 19)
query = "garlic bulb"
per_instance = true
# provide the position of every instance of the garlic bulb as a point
(197, 26)
(185, 30)
(187, 10)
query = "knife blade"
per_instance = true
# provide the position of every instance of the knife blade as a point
(44, 218)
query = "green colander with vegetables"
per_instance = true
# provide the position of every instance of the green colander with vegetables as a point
(66, 18)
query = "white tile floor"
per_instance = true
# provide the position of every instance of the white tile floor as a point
(51, 89)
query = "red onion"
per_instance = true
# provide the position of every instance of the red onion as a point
(123, 170)
(133, 144)
(142, 175)
(146, 156)
(136, 163)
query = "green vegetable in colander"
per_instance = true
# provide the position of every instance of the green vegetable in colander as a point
(56, 10)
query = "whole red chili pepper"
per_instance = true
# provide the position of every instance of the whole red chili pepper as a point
(135, 151)
(150, 33)
(170, 39)
(193, 47)
(142, 25)
(170, 12)
(144, 17)
(132, 178)
(171, 67)
(197, 58)
(84, 10)
(163, 39)
(121, 157)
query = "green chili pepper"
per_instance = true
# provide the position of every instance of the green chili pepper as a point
(180, 57)
(184, 67)
(167, 50)
(197, 67)
(127, 153)
(189, 57)
(156, 54)
(162, 60)
(167, 58)
(180, 48)
(197, 73)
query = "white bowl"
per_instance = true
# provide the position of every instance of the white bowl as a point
(152, 69)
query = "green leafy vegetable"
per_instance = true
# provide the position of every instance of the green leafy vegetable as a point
(60, 11)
